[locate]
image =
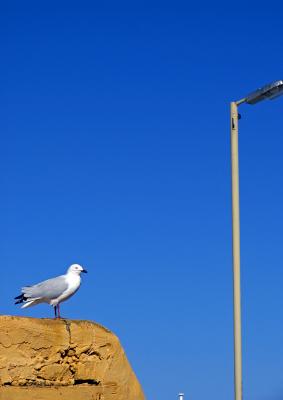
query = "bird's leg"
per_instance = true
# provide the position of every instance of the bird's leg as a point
(58, 306)
(55, 310)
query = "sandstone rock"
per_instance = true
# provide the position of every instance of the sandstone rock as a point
(44, 359)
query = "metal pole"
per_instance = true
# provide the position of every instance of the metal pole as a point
(181, 396)
(236, 252)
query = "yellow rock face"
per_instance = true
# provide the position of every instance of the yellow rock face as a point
(44, 359)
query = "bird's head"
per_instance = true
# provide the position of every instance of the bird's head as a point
(76, 269)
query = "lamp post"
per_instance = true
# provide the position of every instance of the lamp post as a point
(270, 91)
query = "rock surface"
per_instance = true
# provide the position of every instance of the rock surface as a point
(44, 359)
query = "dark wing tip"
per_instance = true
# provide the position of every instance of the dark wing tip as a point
(20, 299)
(21, 296)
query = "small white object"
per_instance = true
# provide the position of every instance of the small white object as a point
(181, 396)
(53, 291)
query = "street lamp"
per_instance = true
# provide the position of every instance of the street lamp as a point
(270, 91)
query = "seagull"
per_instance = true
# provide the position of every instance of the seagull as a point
(52, 291)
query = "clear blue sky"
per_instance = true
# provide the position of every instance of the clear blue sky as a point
(115, 154)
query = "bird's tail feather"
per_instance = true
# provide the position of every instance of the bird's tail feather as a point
(31, 302)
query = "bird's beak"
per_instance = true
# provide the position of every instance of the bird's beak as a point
(85, 271)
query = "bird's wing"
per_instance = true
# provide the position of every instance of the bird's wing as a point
(50, 289)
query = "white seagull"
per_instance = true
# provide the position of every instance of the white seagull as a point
(52, 291)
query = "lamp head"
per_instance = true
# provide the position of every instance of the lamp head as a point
(271, 91)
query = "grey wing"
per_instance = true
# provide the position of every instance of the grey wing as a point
(50, 289)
